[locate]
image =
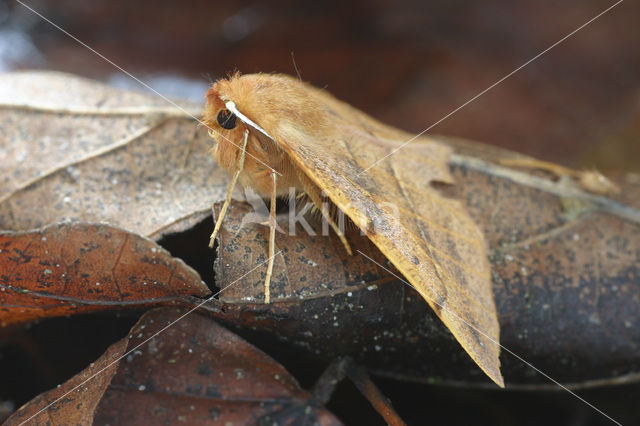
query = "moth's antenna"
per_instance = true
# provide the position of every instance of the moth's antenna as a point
(295, 67)
(231, 106)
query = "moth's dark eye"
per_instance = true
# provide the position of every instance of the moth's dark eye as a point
(226, 119)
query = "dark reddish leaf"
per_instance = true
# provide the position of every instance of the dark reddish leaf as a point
(67, 269)
(194, 372)
(565, 267)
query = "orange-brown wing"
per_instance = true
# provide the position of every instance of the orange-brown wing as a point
(429, 238)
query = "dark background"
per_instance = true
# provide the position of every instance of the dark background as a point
(408, 63)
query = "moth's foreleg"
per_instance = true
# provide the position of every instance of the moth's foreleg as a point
(227, 199)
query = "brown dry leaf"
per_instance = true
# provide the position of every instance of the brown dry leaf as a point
(194, 372)
(76, 149)
(565, 267)
(75, 268)
(76, 407)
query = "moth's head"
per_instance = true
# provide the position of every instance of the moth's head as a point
(273, 102)
(222, 123)
(273, 109)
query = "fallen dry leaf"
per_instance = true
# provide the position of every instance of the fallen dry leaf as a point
(565, 268)
(76, 268)
(76, 407)
(77, 149)
(194, 372)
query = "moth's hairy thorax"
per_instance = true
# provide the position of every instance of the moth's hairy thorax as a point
(275, 104)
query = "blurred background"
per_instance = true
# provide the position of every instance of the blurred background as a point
(407, 63)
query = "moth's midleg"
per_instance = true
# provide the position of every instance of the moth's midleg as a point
(272, 239)
(316, 197)
(227, 199)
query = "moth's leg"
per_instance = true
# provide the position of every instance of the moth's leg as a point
(272, 238)
(227, 199)
(316, 196)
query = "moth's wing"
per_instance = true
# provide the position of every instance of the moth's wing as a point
(430, 239)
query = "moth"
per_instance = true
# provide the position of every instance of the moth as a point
(274, 132)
